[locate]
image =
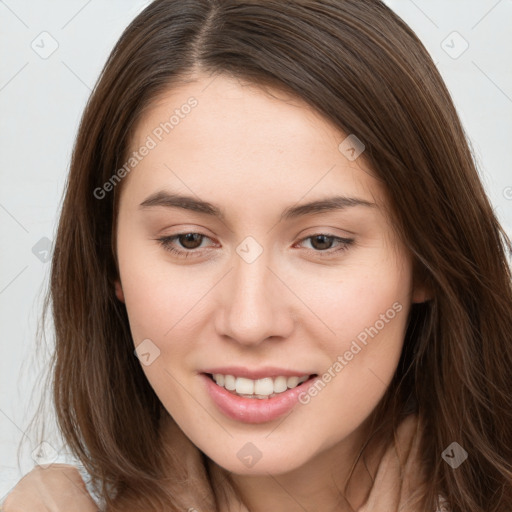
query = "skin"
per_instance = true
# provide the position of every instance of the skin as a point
(54, 488)
(298, 306)
(253, 155)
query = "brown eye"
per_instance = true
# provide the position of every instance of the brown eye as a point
(324, 242)
(325, 245)
(189, 240)
(184, 244)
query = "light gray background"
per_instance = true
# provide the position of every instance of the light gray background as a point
(41, 100)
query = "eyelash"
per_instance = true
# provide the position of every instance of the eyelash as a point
(167, 240)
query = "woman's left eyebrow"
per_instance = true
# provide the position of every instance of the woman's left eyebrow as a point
(174, 200)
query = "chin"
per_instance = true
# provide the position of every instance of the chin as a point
(260, 464)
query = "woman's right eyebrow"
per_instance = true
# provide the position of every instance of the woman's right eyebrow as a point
(167, 199)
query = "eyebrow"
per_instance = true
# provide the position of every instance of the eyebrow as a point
(173, 200)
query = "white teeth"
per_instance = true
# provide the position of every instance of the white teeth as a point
(260, 388)
(292, 382)
(280, 384)
(244, 386)
(264, 386)
(229, 382)
(255, 396)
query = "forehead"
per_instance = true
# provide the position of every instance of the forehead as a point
(220, 135)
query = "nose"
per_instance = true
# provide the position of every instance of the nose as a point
(256, 303)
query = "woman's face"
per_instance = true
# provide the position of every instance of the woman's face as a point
(266, 289)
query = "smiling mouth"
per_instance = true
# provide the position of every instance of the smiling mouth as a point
(261, 389)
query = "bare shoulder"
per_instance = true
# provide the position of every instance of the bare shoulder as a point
(57, 487)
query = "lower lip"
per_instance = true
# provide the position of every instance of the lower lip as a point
(254, 410)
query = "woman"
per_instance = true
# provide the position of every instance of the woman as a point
(274, 204)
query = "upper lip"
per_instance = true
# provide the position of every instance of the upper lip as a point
(256, 373)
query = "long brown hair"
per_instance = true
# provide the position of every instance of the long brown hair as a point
(359, 65)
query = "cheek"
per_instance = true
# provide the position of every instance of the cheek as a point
(357, 297)
(157, 307)
(154, 296)
(366, 310)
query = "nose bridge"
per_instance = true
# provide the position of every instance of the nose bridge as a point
(255, 306)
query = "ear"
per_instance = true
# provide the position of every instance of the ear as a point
(420, 294)
(119, 290)
(422, 289)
